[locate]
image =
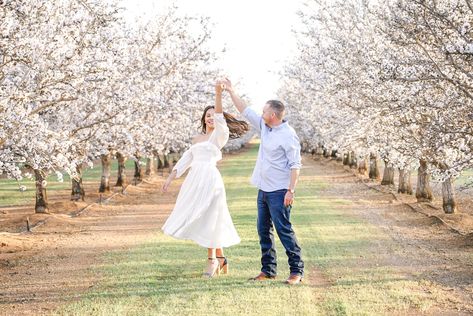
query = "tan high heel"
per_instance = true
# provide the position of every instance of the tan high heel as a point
(213, 268)
(224, 265)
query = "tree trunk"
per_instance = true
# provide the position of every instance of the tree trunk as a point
(138, 177)
(121, 175)
(352, 160)
(160, 163)
(165, 162)
(388, 175)
(303, 147)
(363, 166)
(374, 168)
(448, 196)
(149, 166)
(41, 205)
(405, 184)
(326, 153)
(423, 190)
(346, 159)
(334, 153)
(78, 192)
(105, 180)
(156, 162)
(172, 161)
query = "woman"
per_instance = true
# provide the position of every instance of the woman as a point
(201, 213)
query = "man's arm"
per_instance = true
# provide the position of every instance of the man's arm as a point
(294, 178)
(247, 112)
(240, 105)
(289, 197)
(293, 154)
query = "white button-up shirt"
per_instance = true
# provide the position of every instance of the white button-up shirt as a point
(279, 152)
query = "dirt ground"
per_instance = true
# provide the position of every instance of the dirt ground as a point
(426, 245)
(51, 265)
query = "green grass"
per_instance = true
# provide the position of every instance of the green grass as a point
(11, 195)
(163, 276)
(465, 177)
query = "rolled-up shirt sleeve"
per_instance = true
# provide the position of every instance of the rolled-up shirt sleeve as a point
(293, 153)
(253, 117)
(183, 164)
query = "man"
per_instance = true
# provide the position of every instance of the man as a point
(275, 175)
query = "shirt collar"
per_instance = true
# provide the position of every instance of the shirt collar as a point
(283, 124)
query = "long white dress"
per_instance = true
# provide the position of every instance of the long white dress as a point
(201, 212)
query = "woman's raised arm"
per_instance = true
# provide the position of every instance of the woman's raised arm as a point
(219, 87)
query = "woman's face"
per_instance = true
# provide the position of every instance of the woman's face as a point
(209, 118)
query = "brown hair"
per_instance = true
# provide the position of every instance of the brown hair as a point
(237, 128)
(278, 108)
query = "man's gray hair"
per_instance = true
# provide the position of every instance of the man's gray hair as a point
(278, 108)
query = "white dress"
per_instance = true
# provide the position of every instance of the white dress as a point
(201, 212)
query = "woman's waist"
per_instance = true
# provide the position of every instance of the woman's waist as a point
(209, 162)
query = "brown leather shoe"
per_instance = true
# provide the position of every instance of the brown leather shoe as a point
(294, 279)
(261, 277)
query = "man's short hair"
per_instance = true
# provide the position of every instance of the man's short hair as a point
(278, 108)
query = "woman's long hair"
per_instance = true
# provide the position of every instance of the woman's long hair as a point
(237, 128)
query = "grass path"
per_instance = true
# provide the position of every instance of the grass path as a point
(353, 264)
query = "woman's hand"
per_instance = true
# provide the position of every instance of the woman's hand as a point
(219, 87)
(168, 181)
(166, 184)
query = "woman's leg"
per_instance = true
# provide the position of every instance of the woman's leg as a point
(213, 266)
(211, 253)
(222, 260)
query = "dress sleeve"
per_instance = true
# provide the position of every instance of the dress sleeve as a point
(253, 118)
(221, 133)
(184, 163)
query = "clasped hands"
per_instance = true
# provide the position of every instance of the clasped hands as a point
(223, 85)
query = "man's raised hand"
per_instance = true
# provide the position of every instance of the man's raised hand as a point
(227, 84)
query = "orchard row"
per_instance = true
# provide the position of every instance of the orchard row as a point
(78, 84)
(389, 80)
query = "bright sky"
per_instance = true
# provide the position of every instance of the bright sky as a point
(255, 33)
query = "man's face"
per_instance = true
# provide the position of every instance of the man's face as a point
(268, 114)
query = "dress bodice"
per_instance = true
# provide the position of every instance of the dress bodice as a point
(207, 152)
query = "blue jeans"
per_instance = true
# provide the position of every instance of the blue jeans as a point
(271, 210)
